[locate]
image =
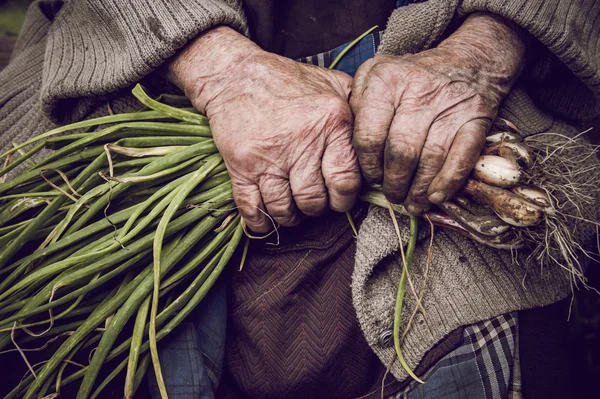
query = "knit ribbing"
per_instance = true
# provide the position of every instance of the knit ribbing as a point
(96, 48)
(21, 114)
(427, 22)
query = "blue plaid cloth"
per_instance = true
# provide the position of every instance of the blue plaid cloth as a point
(358, 54)
(191, 356)
(362, 51)
(484, 366)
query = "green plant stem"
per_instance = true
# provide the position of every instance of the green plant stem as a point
(332, 66)
(400, 296)
(129, 117)
(349, 46)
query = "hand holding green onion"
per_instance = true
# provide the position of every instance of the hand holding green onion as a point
(284, 128)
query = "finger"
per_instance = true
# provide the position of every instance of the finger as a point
(341, 173)
(373, 116)
(464, 152)
(402, 152)
(277, 197)
(359, 82)
(432, 158)
(308, 188)
(249, 202)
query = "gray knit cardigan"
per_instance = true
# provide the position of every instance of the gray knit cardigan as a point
(73, 55)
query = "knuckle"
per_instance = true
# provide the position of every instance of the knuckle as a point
(338, 108)
(367, 143)
(251, 215)
(394, 194)
(336, 114)
(279, 206)
(312, 206)
(276, 195)
(312, 199)
(435, 149)
(344, 80)
(401, 153)
(418, 192)
(344, 186)
(287, 220)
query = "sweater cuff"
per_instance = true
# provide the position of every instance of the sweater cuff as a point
(95, 48)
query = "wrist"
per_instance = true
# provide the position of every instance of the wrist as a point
(493, 47)
(205, 65)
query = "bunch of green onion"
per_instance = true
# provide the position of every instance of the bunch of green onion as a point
(109, 243)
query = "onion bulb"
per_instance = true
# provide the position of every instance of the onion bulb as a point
(509, 207)
(497, 171)
(514, 152)
(500, 137)
(534, 195)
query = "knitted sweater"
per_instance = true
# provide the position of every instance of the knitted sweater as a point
(73, 55)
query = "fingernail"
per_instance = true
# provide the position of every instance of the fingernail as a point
(414, 209)
(437, 197)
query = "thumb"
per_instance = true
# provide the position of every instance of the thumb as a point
(359, 83)
(341, 173)
(341, 82)
(249, 201)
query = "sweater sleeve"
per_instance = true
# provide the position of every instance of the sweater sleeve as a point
(95, 48)
(569, 84)
(563, 75)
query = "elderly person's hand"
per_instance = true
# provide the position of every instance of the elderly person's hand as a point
(284, 128)
(421, 120)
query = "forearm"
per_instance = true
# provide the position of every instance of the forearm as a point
(207, 61)
(490, 48)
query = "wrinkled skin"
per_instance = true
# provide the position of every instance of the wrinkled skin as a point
(284, 129)
(421, 120)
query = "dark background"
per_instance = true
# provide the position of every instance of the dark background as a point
(582, 332)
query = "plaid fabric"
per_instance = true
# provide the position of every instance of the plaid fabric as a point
(192, 355)
(358, 54)
(484, 366)
(362, 51)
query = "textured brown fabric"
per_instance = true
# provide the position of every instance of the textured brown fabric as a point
(293, 331)
(298, 28)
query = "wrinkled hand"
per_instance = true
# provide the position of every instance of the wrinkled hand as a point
(284, 129)
(421, 120)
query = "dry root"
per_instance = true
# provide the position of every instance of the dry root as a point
(568, 170)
